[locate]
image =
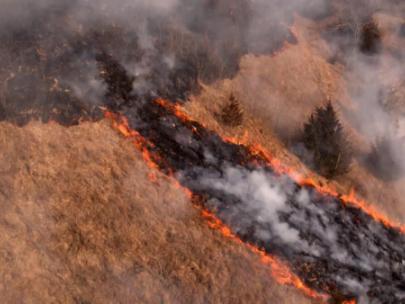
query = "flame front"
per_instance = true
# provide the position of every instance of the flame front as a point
(168, 119)
(277, 166)
(278, 269)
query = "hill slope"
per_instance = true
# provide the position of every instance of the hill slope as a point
(81, 223)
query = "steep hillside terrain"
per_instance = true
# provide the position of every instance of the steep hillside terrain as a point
(81, 223)
(86, 217)
(279, 92)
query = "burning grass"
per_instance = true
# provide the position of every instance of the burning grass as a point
(181, 158)
(170, 141)
(299, 177)
(278, 268)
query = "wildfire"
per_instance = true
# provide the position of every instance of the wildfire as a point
(256, 149)
(278, 269)
(120, 124)
(174, 108)
(348, 199)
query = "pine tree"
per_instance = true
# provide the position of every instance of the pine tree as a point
(324, 136)
(232, 113)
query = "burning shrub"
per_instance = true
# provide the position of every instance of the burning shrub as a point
(370, 40)
(384, 159)
(232, 113)
(324, 137)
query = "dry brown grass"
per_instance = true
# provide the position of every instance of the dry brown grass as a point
(81, 223)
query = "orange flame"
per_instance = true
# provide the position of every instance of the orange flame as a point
(278, 269)
(121, 124)
(174, 108)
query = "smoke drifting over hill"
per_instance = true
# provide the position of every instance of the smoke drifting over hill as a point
(49, 49)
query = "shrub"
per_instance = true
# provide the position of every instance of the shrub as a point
(370, 40)
(324, 136)
(232, 113)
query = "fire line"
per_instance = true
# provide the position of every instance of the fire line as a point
(278, 269)
(345, 251)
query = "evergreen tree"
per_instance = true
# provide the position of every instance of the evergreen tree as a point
(232, 113)
(324, 136)
(371, 38)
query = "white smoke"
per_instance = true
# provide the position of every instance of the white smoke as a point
(277, 212)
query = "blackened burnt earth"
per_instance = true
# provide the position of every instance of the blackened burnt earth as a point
(339, 249)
